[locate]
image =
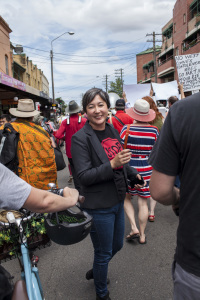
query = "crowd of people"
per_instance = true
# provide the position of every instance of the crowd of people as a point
(133, 153)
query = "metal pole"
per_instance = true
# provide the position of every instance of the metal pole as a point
(51, 56)
(154, 54)
(52, 81)
(122, 80)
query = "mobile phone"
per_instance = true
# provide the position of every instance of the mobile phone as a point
(137, 181)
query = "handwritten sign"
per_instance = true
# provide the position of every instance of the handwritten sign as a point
(188, 67)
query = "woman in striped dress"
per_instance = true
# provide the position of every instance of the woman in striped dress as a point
(141, 139)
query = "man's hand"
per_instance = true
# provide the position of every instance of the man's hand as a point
(124, 96)
(71, 193)
(151, 92)
(121, 159)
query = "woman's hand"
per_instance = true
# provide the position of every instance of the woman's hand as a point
(139, 186)
(121, 159)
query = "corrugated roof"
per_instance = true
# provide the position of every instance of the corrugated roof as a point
(158, 48)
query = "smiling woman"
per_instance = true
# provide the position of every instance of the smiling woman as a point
(97, 112)
(101, 166)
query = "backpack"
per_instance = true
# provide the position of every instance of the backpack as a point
(9, 138)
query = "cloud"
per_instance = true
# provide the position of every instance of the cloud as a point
(116, 29)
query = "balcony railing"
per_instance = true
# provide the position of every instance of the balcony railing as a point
(193, 22)
(191, 44)
(164, 61)
(166, 44)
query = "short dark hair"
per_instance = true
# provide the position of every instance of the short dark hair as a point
(6, 116)
(172, 100)
(91, 94)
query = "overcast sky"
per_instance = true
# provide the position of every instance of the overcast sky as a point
(108, 35)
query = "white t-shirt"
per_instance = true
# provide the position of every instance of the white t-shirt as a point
(13, 190)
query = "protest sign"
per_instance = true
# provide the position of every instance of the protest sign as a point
(135, 92)
(188, 68)
(165, 90)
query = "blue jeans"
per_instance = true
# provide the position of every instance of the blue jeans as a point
(107, 235)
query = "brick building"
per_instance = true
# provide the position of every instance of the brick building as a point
(145, 65)
(180, 36)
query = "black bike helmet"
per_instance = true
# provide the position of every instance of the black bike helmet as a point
(69, 226)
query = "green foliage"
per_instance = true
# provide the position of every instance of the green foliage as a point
(9, 239)
(116, 87)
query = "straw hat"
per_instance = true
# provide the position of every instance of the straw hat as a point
(73, 107)
(25, 109)
(141, 111)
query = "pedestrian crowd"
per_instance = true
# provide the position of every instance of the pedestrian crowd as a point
(114, 159)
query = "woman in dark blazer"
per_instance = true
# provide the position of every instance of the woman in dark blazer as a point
(102, 167)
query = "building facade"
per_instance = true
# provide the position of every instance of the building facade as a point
(26, 71)
(145, 65)
(180, 36)
(15, 80)
(6, 52)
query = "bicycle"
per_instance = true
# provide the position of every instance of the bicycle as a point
(32, 289)
(30, 286)
(29, 271)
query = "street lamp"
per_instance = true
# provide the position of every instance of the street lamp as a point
(51, 55)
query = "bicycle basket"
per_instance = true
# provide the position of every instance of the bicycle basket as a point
(33, 229)
(69, 226)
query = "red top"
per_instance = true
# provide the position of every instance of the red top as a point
(68, 130)
(125, 118)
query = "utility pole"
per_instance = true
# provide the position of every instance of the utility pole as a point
(106, 82)
(119, 73)
(154, 50)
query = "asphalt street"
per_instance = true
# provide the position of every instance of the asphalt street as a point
(137, 272)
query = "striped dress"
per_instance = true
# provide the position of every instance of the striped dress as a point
(141, 140)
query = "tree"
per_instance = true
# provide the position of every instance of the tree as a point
(116, 87)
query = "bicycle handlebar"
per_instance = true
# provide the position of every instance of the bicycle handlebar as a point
(58, 191)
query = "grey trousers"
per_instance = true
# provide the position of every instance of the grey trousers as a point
(186, 285)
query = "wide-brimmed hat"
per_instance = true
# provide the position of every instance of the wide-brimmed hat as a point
(120, 104)
(141, 111)
(73, 107)
(25, 109)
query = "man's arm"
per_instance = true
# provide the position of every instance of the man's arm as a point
(162, 188)
(45, 201)
(180, 86)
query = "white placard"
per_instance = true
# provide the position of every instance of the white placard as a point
(135, 92)
(165, 90)
(188, 68)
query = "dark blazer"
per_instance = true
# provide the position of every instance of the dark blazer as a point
(93, 168)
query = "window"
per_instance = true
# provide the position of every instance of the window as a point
(174, 27)
(6, 63)
(194, 9)
(184, 18)
(177, 51)
(183, 47)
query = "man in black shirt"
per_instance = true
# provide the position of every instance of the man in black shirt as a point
(177, 152)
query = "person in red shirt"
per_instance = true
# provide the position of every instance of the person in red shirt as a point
(121, 118)
(68, 128)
